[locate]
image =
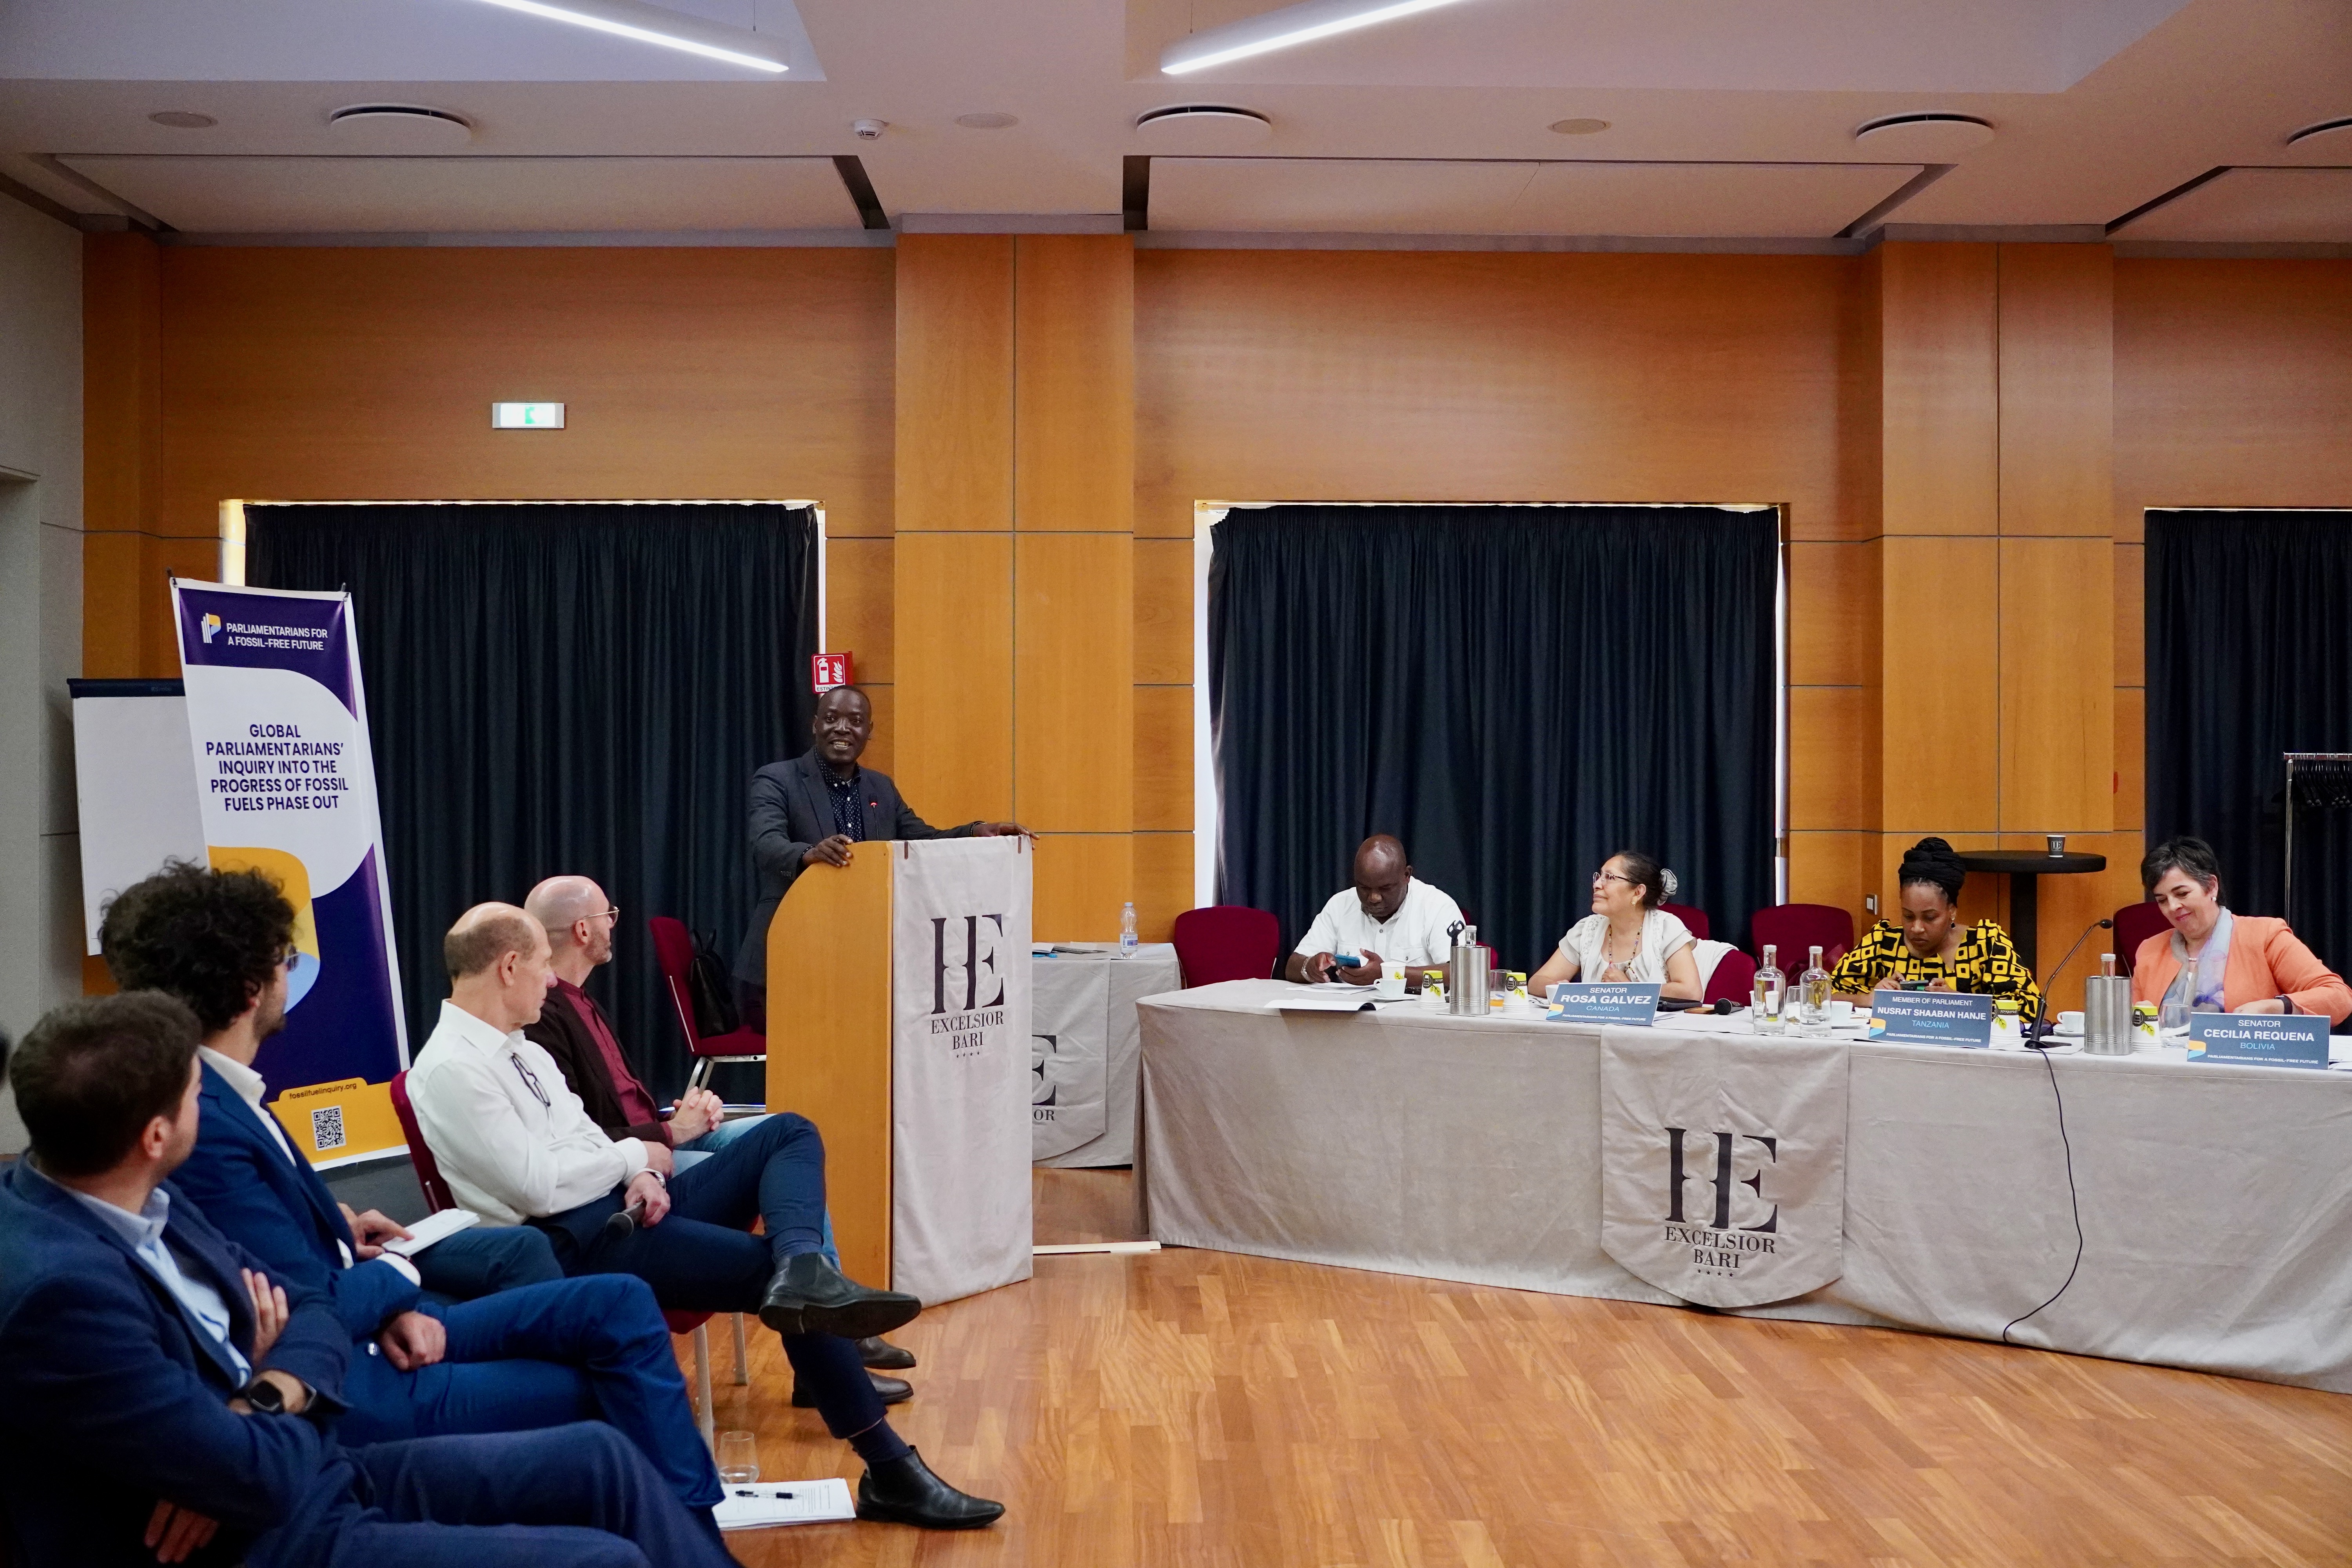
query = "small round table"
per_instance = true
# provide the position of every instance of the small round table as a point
(2024, 867)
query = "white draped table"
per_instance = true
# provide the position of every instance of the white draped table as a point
(1108, 986)
(2216, 1201)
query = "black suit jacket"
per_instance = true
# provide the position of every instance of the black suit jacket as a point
(791, 812)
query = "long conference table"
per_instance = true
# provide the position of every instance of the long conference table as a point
(2216, 1201)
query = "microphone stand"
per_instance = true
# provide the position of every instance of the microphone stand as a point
(2043, 1014)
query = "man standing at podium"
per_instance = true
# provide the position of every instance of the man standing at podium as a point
(810, 811)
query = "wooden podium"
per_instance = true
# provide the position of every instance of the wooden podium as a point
(829, 1004)
(898, 1019)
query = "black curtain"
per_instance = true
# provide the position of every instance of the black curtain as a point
(1516, 692)
(579, 687)
(2250, 655)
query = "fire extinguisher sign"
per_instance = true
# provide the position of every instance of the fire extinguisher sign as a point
(827, 670)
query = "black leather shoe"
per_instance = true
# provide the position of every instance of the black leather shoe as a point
(881, 1354)
(810, 1296)
(893, 1390)
(904, 1492)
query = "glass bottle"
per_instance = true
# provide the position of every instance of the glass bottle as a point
(1127, 939)
(1813, 997)
(1771, 992)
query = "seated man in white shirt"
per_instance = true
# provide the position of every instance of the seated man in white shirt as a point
(515, 1145)
(1388, 916)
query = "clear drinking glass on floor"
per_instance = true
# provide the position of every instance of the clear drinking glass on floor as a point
(739, 1458)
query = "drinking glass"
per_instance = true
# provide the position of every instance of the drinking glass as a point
(739, 1458)
(2172, 1021)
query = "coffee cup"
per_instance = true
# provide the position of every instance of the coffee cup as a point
(1391, 981)
(1841, 1011)
(2070, 1023)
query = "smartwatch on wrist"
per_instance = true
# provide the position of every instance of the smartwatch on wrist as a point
(266, 1396)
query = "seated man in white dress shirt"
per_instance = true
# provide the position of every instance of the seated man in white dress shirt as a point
(1387, 916)
(516, 1146)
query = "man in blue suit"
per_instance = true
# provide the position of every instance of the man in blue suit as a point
(535, 1356)
(168, 1402)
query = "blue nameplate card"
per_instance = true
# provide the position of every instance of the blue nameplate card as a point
(2259, 1039)
(1931, 1019)
(1634, 1006)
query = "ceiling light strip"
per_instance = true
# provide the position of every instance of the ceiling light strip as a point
(1283, 30)
(606, 17)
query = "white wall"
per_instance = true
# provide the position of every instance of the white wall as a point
(40, 620)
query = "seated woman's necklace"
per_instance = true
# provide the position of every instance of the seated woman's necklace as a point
(1626, 963)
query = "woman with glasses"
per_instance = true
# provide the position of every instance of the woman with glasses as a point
(2213, 961)
(1933, 947)
(1627, 937)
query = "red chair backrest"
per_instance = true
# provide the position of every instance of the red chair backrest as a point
(674, 953)
(1692, 916)
(1793, 928)
(1227, 941)
(428, 1174)
(2134, 923)
(1734, 979)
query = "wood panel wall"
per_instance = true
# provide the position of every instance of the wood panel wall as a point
(1962, 437)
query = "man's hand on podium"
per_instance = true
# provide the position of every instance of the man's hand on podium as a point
(831, 851)
(1000, 830)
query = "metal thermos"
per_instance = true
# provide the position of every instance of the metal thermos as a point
(2107, 1016)
(1467, 977)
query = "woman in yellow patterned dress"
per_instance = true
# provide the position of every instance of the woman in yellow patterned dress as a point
(1932, 944)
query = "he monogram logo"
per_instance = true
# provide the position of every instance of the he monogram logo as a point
(1721, 1179)
(973, 962)
(1043, 1048)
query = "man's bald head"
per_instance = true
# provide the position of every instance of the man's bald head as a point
(560, 903)
(1382, 874)
(485, 934)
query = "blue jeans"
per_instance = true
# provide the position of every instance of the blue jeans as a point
(694, 1150)
(543, 1356)
(484, 1260)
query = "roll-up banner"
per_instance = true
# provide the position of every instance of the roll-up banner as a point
(278, 722)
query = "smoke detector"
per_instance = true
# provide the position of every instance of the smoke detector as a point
(1203, 128)
(399, 128)
(1929, 138)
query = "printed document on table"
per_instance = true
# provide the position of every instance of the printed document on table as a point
(755, 1505)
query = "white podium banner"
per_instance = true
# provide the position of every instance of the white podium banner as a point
(1723, 1163)
(1069, 1054)
(960, 1065)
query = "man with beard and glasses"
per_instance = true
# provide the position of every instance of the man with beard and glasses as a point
(541, 1354)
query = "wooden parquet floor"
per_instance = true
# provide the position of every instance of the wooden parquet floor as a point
(1201, 1407)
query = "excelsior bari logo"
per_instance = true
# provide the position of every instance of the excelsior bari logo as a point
(1717, 1245)
(965, 964)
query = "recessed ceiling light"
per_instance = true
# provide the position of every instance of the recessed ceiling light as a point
(1932, 137)
(654, 25)
(2328, 134)
(1282, 29)
(1579, 127)
(184, 120)
(990, 119)
(1203, 127)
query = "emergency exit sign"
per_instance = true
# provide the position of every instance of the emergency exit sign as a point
(526, 416)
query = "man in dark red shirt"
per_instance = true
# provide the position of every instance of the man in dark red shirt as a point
(572, 1029)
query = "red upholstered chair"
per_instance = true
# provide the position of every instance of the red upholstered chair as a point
(1692, 916)
(1227, 941)
(674, 951)
(437, 1196)
(1793, 928)
(1734, 979)
(2134, 923)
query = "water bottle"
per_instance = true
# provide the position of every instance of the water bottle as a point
(1771, 991)
(1813, 997)
(1127, 930)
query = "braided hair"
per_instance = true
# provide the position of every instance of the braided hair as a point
(1933, 863)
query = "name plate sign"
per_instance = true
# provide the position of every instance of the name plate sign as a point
(1574, 1003)
(2259, 1039)
(1931, 1019)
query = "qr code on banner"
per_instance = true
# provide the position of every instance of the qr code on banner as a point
(327, 1128)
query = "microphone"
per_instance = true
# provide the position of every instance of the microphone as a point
(2102, 924)
(619, 1226)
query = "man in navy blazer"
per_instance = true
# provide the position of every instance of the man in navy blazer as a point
(809, 810)
(167, 1401)
(538, 1355)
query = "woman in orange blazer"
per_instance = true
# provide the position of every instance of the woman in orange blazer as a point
(2217, 960)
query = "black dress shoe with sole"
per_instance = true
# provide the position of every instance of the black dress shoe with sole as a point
(883, 1356)
(904, 1492)
(893, 1390)
(810, 1296)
